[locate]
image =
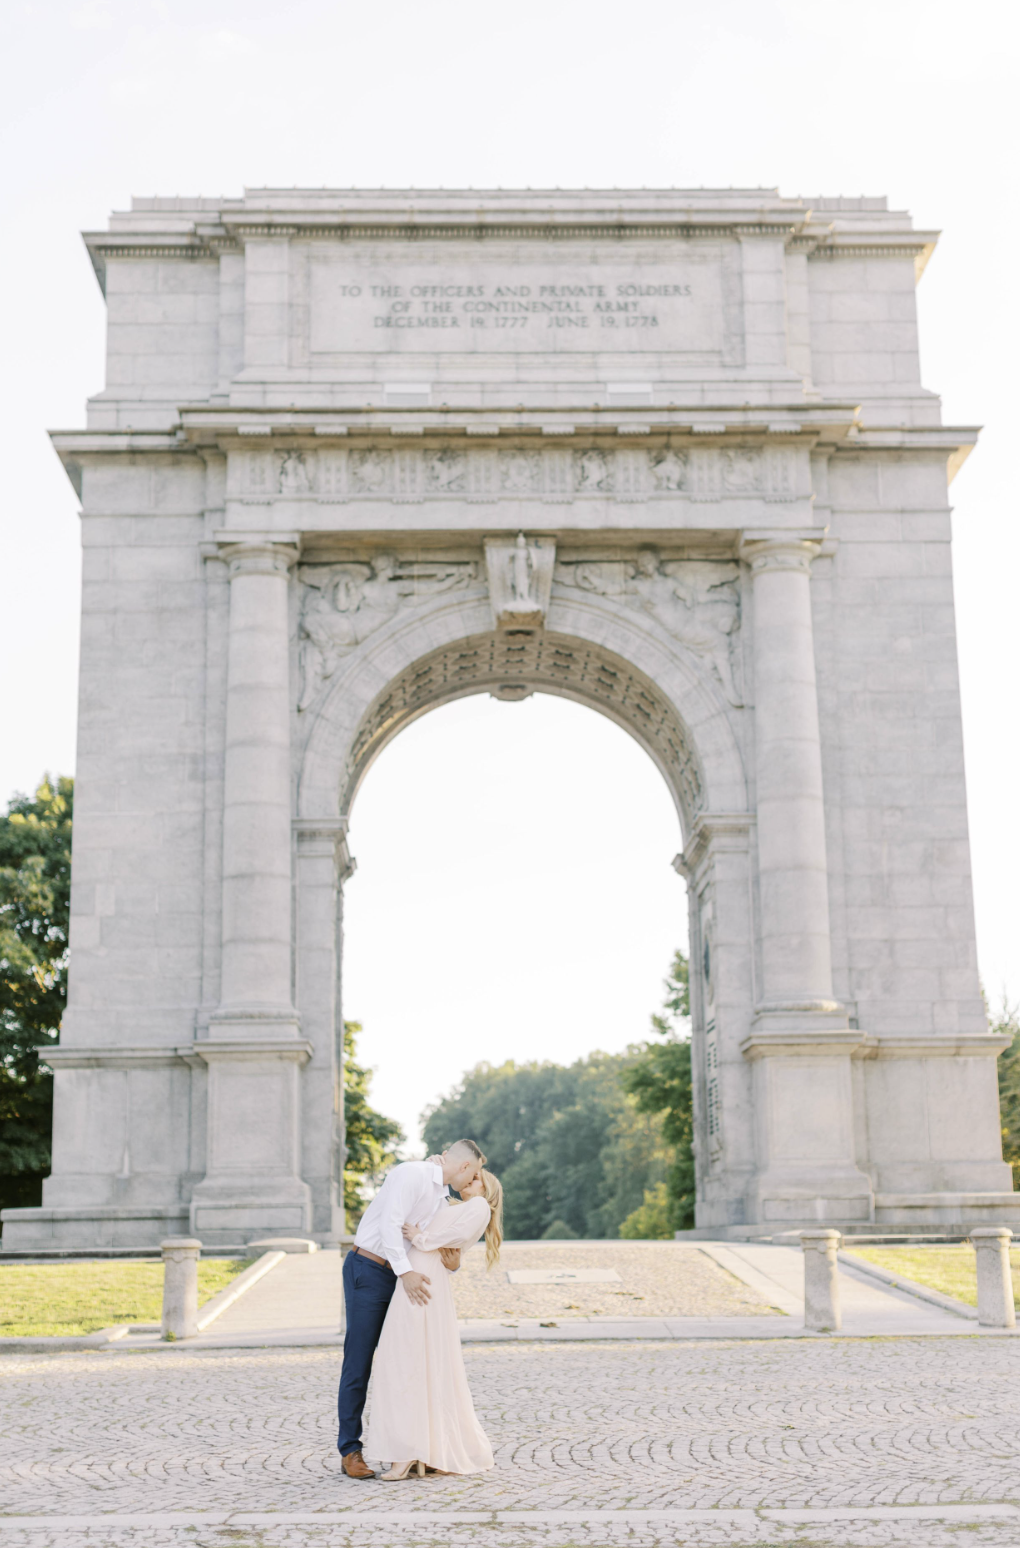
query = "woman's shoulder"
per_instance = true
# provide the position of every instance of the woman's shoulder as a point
(478, 1206)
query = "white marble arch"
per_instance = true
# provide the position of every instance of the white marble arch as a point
(737, 509)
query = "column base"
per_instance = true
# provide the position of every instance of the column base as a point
(252, 1186)
(801, 1056)
(820, 1195)
(91, 1226)
(226, 1210)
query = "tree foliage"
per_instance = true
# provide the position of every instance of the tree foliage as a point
(371, 1138)
(35, 896)
(661, 1083)
(570, 1146)
(1007, 1022)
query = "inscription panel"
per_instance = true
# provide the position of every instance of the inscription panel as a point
(371, 305)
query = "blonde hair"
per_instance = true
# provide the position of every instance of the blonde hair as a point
(494, 1230)
(493, 1195)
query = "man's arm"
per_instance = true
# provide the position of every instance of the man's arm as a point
(397, 1198)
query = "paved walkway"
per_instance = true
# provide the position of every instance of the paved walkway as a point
(728, 1290)
(841, 1443)
(303, 1293)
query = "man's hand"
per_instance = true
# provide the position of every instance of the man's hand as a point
(451, 1258)
(415, 1284)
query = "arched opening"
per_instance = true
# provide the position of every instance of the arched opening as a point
(445, 659)
(514, 897)
(513, 664)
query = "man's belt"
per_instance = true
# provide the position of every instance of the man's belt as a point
(373, 1257)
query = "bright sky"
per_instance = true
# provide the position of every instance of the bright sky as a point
(514, 895)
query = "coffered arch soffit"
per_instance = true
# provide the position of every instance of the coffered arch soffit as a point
(592, 651)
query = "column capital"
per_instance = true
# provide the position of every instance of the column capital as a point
(792, 550)
(258, 553)
(325, 836)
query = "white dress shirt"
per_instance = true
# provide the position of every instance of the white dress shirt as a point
(413, 1191)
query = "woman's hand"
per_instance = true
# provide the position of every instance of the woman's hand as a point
(410, 1231)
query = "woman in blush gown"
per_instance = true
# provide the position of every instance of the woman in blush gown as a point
(422, 1414)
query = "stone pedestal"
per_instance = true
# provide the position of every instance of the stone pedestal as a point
(180, 1286)
(800, 1041)
(994, 1276)
(821, 1281)
(254, 1050)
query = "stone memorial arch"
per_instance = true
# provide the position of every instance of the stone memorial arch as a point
(664, 453)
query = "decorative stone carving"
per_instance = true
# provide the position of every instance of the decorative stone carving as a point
(518, 471)
(741, 470)
(780, 467)
(558, 474)
(591, 471)
(696, 601)
(483, 474)
(344, 603)
(295, 478)
(553, 473)
(631, 473)
(445, 471)
(520, 580)
(330, 474)
(669, 470)
(370, 471)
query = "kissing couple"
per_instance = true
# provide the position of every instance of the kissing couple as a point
(400, 1313)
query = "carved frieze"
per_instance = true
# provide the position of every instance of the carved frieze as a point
(696, 601)
(342, 604)
(553, 474)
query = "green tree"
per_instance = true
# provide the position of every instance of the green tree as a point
(371, 1138)
(650, 1222)
(569, 1145)
(1007, 1023)
(35, 894)
(661, 1083)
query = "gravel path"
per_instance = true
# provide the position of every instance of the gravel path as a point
(657, 1279)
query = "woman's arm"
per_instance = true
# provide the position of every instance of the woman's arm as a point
(458, 1225)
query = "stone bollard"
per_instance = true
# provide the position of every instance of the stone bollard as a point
(994, 1276)
(821, 1280)
(180, 1286)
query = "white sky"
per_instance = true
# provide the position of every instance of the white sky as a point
(528, 905)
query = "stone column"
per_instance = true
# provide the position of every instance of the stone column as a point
(254, 1049)
(800, 1043)
(796, 958)
(324, 864)
(255, 985)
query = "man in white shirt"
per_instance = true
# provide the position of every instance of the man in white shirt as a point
(413, 1191)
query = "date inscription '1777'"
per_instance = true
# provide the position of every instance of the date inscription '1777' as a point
(514, 306)
(548, 309)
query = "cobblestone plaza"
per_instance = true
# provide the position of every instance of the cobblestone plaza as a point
(827, 1443)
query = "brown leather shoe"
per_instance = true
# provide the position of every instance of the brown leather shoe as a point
(355, 1466)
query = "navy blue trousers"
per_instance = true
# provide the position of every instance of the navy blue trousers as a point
(368, 1290)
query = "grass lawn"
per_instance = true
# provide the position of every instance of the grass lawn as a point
(951, 1269)
(59, 1298)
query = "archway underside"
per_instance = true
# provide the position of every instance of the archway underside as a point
(511, 665)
